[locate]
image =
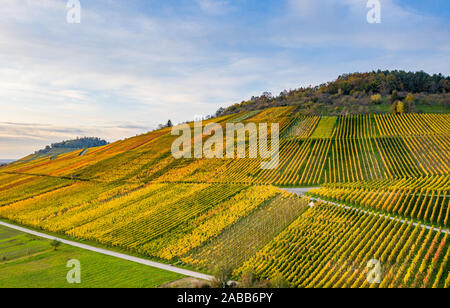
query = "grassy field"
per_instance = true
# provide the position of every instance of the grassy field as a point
(29, 261)
(325, 128)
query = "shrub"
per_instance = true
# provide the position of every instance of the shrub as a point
(222, 276)
(376, 99)
(278, 281)
(55, 244)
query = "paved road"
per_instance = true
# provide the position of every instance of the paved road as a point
(162, 266)
(378, 214)
(299, 191)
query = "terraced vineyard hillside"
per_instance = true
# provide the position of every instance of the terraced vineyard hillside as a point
(389, 172)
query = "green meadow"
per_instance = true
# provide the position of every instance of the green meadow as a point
(29, 261)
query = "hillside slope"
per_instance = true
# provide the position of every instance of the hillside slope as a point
(360, 93)
(135, 195)
(66, 146)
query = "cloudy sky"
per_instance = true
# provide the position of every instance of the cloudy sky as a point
(132, 64)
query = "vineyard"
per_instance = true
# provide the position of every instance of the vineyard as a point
(310, 254)
(390, 171)
(424, 199)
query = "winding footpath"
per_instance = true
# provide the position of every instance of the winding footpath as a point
(119, 255)
(302, 191)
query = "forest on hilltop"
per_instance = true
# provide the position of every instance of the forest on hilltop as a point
(78, 143)
(360, 93)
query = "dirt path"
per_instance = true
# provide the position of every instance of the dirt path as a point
(299, 191)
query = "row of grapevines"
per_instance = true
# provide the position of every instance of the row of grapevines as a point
(22, 187)
(302, 127)
(234, 245)
(413, 124)
(425, 199)
(212, 223)
(356, 126)
(329, 246)
(136, 217)
(341, 149)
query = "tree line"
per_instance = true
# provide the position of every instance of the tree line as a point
(78, 143)
(354, 93)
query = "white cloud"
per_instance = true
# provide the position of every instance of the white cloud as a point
(20, 139)
(214, 7)
(328, 23)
